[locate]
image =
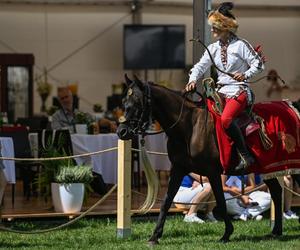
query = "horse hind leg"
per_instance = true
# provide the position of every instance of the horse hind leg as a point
(220, 209)
(276, 194)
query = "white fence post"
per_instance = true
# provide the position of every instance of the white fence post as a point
(124, 189)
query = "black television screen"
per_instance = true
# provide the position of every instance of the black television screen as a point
(154, 46)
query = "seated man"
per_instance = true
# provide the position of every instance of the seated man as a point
(64, 118)
(250, 205)
(191, 191)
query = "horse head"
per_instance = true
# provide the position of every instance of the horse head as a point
(136, 103)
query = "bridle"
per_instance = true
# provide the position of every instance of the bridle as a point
(139, 125)
(142, 123)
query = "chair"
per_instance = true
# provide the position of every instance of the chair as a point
(59, 139)
(22, 149)
(35, 122)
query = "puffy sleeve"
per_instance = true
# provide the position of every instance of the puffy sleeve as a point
(199, 68)
(252, 58)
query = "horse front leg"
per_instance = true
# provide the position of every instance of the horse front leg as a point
(174, 183)
(220, 209)
(276, 194)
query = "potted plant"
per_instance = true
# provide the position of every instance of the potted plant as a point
(57, 177)
(44, 89)
(97, 108)
(68, 187)
(82, 122)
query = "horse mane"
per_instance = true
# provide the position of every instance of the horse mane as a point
(188, 101)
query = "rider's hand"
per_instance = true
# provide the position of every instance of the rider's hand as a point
(190, 86)
(239, 77)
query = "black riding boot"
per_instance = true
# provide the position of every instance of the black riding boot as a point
(246, 158)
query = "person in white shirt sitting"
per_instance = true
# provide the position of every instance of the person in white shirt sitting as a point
(191, 191)
(250, 205)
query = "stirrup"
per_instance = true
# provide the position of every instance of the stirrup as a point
(244, 164)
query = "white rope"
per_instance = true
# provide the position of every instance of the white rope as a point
(58, 158)
(65, 224)
(292, 191)
(150, 152)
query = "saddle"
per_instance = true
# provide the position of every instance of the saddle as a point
(248, 121)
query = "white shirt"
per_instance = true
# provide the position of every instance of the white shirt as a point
(241, 58)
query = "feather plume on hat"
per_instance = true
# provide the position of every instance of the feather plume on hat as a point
(222, 18)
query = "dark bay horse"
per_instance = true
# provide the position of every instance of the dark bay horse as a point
(192, 146)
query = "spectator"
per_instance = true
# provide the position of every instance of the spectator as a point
(64, 118)
(288, 198)
(191, 191)
(246, 206)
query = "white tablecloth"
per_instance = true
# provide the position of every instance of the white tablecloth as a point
(105, 163)
(157, 143)
(7, 150)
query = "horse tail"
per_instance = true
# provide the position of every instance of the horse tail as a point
(152, 183)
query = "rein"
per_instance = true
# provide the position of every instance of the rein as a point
(140, 129)
(143, 131)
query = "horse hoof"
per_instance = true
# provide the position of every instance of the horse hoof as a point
(277, 234)
(273, 235)
(153, 243)
(224, 240)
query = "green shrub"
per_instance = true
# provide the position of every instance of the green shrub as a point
(74, 174)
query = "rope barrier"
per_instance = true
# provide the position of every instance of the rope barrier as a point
(292, 191)
(149, 152)
(65, 224)
(58, 158)
(208, 202)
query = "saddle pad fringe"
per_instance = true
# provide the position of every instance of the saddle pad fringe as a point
(265, 140)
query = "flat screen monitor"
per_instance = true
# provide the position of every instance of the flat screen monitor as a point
(154, 46)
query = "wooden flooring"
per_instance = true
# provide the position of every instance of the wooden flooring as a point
(37, 207)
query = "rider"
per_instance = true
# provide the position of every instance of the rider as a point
(235, 56)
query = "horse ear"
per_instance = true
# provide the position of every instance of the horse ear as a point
(128, 81)
(138, 82)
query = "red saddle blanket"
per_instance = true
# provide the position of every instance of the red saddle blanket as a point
(282, 125)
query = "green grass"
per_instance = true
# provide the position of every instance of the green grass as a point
(99, 233)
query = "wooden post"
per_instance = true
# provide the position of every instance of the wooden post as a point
(124, 189)
(272, 210)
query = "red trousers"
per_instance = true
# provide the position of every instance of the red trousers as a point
(233, 107)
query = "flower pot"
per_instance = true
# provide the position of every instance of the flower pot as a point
(67, 198)
(81, 128)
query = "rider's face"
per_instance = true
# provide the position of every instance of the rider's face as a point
(218, 33)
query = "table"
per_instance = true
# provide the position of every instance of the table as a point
(7, 150)
(157, 143)
(104, 163)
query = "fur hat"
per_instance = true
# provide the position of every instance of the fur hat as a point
(222, 18)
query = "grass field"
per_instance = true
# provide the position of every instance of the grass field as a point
(100, 233)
